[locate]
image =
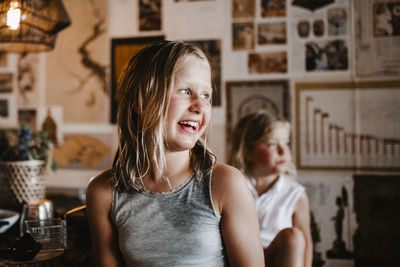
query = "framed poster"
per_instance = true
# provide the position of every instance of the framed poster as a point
(348, 125)
(244, 97)
(121, 51)
(8, 111)
(6, 82)
(377, 39)
(150, 15)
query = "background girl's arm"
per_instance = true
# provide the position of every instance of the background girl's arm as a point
(301, 220)
(239, 223)
(103, 234)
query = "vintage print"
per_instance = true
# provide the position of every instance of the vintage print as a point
(243, 37)
(318, 27)
(377, 40)
(243, 9)
(363, 134)
(82, 64)
(273, 8)
(28, 117)
(122, 49)
(274, 62)
(84, 151)
(8, 111)
(326, 56)
(244, 97)
(6, 82)
(212, 48)
(3, 59)
(4, 108)
(28, 76)
(272, 33)
(150, 15)
(337, 21)
(386, 19)
(303, 28)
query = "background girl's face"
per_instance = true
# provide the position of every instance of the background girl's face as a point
(189, 109)
(271, 155)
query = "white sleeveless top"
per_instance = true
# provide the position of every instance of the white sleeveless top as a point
(275, 207)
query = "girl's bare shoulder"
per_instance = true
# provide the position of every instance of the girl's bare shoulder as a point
(101, 184)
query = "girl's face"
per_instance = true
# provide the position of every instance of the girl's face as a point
(271, 155)
(189, 109)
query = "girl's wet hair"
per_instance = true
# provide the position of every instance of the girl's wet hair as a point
(143, 98)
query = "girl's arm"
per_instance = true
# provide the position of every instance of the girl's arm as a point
(301, 220)
(103, 234)
(239, 223)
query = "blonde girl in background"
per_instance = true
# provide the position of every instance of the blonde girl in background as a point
(260, 149)
(166, 202)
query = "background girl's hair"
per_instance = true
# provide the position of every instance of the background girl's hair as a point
(143, 98)
(247, 133)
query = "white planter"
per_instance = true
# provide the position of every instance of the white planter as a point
(21, 181)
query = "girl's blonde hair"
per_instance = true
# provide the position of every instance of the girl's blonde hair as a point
(144, 91)
(249, 131)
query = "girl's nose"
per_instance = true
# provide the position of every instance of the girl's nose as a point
(197, 104)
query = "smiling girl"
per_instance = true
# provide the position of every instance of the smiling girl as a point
(260, 149)
(166, 202)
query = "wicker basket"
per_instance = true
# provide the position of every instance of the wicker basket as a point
(21, 181)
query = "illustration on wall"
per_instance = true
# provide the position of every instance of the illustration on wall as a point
(244, 97)
(243, 9)
(82, 65)
(362, 134)
(273, 8)
(6, 82)
(272, 62)
(326, 56)
(28, 72)
(122, 49)
(150, 15)
(243, 36)
(377, 40)
(272, 33)
(337, 21)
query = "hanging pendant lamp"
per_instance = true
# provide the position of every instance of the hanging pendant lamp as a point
(31, 25)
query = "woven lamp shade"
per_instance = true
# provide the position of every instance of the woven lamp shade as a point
(40, 22)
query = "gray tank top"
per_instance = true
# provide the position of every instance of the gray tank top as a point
(175, 228)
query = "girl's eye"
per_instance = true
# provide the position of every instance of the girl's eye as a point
(185, 91)
(205, 96)
(271, 144)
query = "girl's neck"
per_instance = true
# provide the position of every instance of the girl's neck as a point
(265, 183)
(177, 171)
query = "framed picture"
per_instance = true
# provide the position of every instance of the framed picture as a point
(377, 40)
(268, 62)
(86, 147)
(150, 15)
(44, 117)
(121, 51)
(8, 111)
(244, 97)
(362, 133)
(243, 37)
(243, 9)
(6, 82)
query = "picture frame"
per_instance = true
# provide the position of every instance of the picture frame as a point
(6, 82)
(362, 134)
(243, 97)
(86, 147)
(8, 111)
(122, 49)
